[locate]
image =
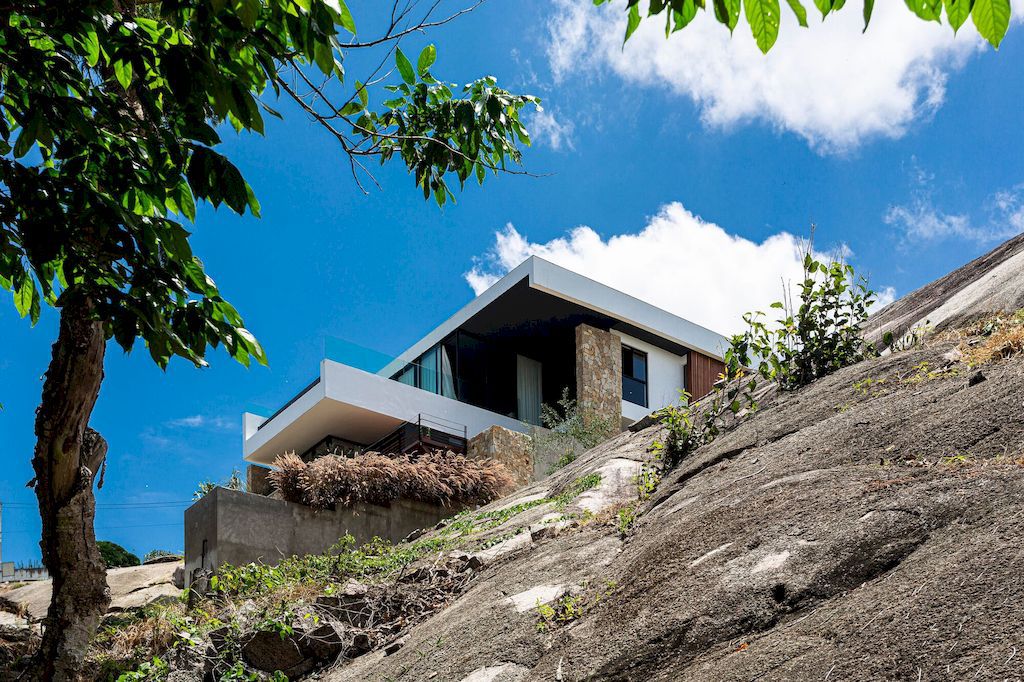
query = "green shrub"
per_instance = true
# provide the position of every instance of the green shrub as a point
(116, 556)
(816, 338)
(571, 430)
(810, 341)
(233, 482)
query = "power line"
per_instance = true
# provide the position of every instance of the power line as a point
(144, 525)
(111, 505)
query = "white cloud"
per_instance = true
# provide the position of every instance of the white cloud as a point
(677, 262)
(551, 128)
(198, 421)
(831, 84)
(921, 221)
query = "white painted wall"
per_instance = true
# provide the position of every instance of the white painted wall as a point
(346, 400)
(385, 396)
(664, 377)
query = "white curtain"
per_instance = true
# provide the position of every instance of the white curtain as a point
(528, 385)
(447, 376)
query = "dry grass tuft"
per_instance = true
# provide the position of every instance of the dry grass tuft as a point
(1002, 338)
(378, 479)
(989, 339)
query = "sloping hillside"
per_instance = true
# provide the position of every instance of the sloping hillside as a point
(865, 527)
(987, 284)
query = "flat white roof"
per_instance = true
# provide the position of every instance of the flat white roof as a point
(553, 279)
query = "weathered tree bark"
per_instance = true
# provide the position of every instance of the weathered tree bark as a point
(67, 457)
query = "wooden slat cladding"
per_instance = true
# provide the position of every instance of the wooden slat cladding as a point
(701, 374)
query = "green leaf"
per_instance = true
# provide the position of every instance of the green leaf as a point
(123, 73)
(991, 18)
(347, 22)
(763, 17)
(427, 57)
(632, 22)
(869, 8)
(799, 11)
(929, 10)
(728, 12)
(824, 6)
(28, 135)
(24, 295)
(91, 43)
(404, 67)
(686, 14)
(364, 96)
(957, 12)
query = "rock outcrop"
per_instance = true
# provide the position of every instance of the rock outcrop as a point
(130, 588)
(865, 527)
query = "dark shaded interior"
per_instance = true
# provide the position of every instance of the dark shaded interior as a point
(481, 353)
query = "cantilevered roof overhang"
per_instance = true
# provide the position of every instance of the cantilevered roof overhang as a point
(361, 407)
(538, 291)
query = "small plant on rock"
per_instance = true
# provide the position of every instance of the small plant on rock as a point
(809, 341)
(571, 431)
(815, 338)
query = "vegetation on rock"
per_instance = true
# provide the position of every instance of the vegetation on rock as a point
(816, 337)
(570, 431)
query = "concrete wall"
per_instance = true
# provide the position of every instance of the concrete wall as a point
(598, 373)
(229, 526)
(665, 377)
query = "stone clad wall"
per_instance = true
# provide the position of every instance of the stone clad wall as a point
(256, 481)
(511, 449)
(599, 373)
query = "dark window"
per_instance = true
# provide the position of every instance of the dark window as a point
(634, 376)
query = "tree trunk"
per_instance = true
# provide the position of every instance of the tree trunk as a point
(67, 457)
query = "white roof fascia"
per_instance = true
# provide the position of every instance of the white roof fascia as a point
(442, 330)
(570, 286)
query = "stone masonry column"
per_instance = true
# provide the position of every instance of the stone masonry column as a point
(599, 374)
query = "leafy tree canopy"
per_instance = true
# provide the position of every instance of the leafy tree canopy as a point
(990, 17)
(116, 556)
(109, 115)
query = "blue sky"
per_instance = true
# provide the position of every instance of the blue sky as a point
(907, 151)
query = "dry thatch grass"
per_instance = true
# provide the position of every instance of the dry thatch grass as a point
(379, 479)
(1002, 337)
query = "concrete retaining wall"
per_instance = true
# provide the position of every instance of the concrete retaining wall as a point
(229, 526)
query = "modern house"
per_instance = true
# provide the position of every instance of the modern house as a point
(539, 330)
(475, 384)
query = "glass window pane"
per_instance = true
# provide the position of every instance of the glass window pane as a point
(407, 375)
(640, 366)
(634, 391)
(428, 371)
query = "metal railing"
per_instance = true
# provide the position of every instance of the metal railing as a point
(425, 434)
